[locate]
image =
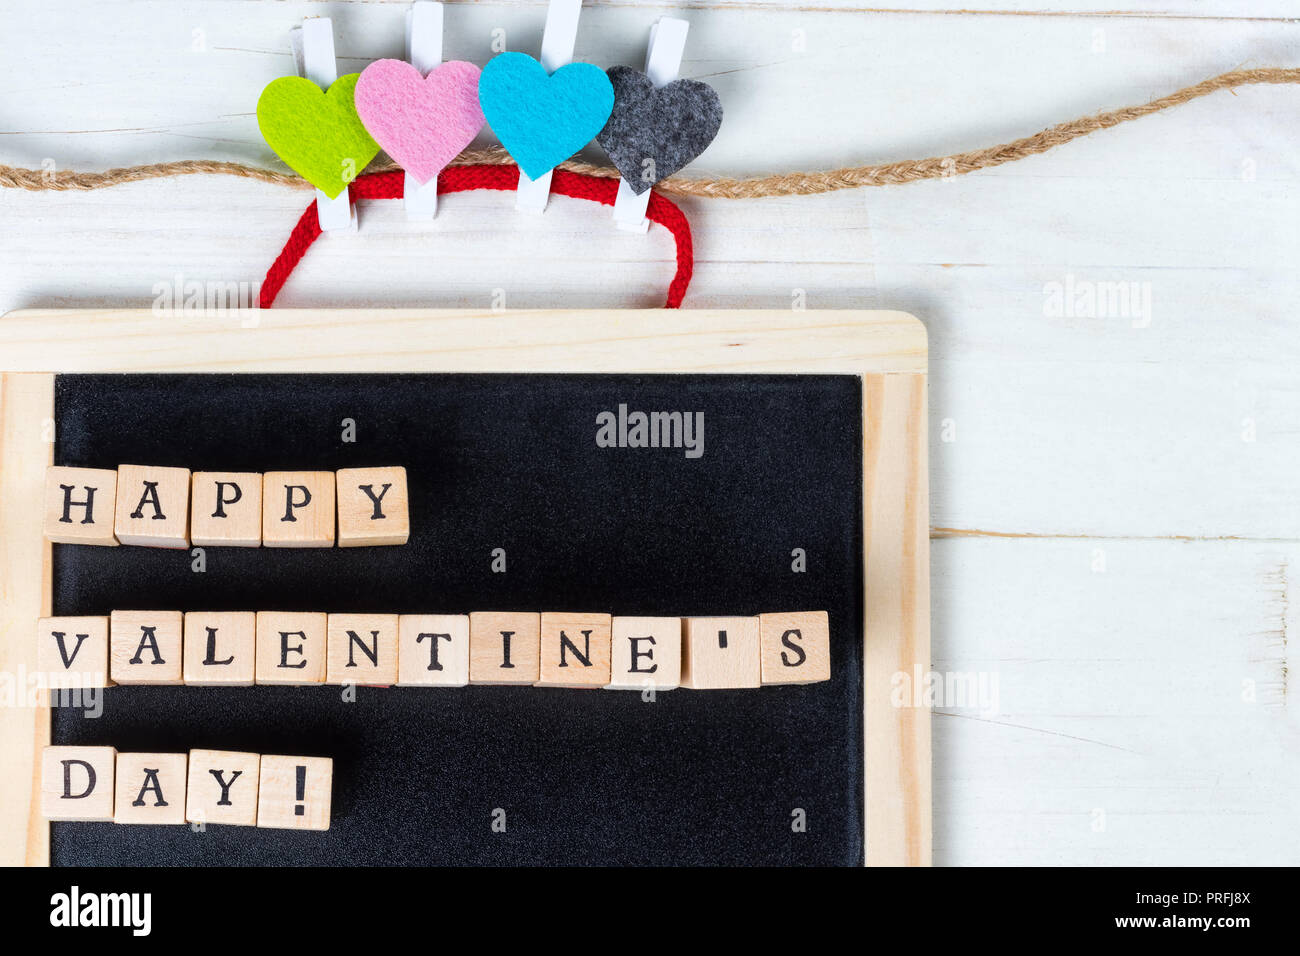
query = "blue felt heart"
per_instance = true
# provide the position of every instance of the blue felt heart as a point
(543, 120)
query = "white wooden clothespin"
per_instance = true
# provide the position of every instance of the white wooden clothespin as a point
(424, 52)
(663, 60)
(313, 54)
(558, 39)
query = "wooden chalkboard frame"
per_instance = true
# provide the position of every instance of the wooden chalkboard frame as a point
(887, 350)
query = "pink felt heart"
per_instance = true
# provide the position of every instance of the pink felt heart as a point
(423, 122)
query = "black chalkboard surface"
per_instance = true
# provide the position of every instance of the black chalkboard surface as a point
(503, 461)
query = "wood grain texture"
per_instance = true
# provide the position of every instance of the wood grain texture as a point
(720, 652)
(153, 506)
(372, 507)
(222, 787)
(150, 788)
(1052, 438)
(226, 509)
(77, 783)
(575, 650)
(298, 509)
(803, 85)
(291, 647)
(645, 653)
(146, 647)
(220, 648)
(80, 505)
(433, 650)
(795, 647)
(1168, 737)
(283, 804)
(895, 507)
(1218, 9)
(887, 350)
(361, 649)
(72, 651)
(26, 430)
(504, 647)
(413, 340)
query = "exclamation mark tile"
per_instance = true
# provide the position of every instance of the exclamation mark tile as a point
(294, 792)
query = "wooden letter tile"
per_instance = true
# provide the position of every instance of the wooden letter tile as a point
(574, 650)
(80, 504)
(796, 647)
(77, 783)
(504, 647)
(150, 788)
(145, 647)
(372, 507)
(295, 793)
(291, 647)
(721, 652)
(220, 648)
(298, 509)
(222, 788)
(433, 650)
(153, 506)
(226, 509)
(72, 651)
(646, 652)
(362, 649)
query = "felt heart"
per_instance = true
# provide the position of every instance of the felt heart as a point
(652, 133)
(423, 122)
(542, 120)
(317, 133)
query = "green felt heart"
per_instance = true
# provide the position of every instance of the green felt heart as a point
(318, 134)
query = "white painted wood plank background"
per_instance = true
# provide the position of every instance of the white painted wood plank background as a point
(1114, 498)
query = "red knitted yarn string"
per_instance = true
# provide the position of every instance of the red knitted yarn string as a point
(455, 179)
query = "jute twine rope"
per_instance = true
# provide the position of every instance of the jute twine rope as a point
(785, 184)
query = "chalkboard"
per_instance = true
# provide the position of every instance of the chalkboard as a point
(504, 461)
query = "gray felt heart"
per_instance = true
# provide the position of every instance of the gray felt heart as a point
(653, 133)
